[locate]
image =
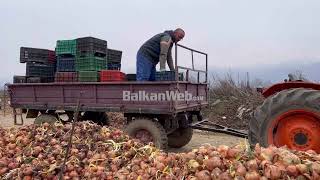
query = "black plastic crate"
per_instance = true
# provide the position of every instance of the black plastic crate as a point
(66, 64)
(114, 56)
(91, 45)
(167, 76)
(40, 70)
(19, 79)
(44, 56)
(33, 80)
(131, 77)
(113, 66)
(47, 79)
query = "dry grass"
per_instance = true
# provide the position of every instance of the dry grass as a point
(231, 103)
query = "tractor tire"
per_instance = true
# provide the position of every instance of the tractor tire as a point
(290, 117)
(152, 127)
(100, 118)
(45, 118)
(180, 137)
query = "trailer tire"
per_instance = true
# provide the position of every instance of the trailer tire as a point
(300, 107)
(100, 118)
(153, 127)
(180, 137)
(45, 118)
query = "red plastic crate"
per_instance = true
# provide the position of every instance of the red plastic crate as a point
(112, 75)
(66, 77)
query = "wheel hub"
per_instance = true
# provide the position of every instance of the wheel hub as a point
(144, 136)
(298, 129)
(300, 139)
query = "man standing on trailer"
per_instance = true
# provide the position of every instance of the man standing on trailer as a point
(156, 49)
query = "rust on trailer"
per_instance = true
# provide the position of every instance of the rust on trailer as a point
(107, 96)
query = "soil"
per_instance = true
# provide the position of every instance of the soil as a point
(199, 137)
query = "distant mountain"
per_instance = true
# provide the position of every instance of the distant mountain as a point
(272, 73)
(265, 73)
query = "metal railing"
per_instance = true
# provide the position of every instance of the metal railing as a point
(190, 69)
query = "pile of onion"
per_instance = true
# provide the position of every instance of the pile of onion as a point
(37, 152)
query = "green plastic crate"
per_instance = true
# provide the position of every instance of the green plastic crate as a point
(88, 76)
(90, 63)
(64, 47)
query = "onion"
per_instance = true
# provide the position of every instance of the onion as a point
(193, 165)
(3, 171)
(203, 151)
(302, 168)
(292, 170)
(233, 153)
(203, 175)
(241, 170)
(252, 165)
(267, 154)
(27, 171)
(215, 174)
(253, 175)
(213, 163)
(272, 172)
(316, 167)
(225, 176)
(223, 150)
(257, 149)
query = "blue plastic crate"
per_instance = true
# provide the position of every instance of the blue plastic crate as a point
(114, 66)
(66, 64)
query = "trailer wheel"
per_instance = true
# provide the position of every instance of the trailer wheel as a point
(290, 117)
(148, 130)
(180, 137)
(100, 118)
(45, 118)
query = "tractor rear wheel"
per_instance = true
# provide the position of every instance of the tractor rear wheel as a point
(289, 118)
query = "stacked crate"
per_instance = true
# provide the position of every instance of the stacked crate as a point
(114, 59)
(40, 65)
(91, 58)
(66, 51)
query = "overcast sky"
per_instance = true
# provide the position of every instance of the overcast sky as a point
(235, 33)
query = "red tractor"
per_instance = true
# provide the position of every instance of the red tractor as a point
(289, 116)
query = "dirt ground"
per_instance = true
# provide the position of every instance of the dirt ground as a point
(199, 137)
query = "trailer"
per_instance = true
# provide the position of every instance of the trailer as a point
(161, 112)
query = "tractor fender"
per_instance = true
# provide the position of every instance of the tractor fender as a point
(289, 85)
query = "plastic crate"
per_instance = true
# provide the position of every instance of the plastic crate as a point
(131, 77)
(66, 47)
(91, 45)
(113, 66)
(66, 63)
(33, 80)
(112, 75)
(39, 70)
(47, 79)
(66, 77)
(167, 76)
(114, 56)
(90, 63)
(88, 76)
(28, 54)
(19, 79)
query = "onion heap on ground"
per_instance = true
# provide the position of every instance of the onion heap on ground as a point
(37, 152)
